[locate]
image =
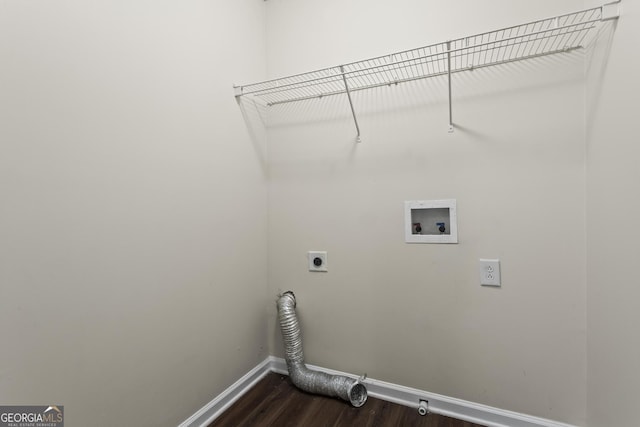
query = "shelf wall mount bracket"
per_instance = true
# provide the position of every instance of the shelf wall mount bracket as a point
(353, 111)
(610, 10)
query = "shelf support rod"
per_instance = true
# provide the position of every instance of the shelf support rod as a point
(353, 111)
(449, 79)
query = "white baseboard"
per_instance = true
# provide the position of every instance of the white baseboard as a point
(438, 404)
(217, 406)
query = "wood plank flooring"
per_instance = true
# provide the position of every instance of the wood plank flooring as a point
(275, 401)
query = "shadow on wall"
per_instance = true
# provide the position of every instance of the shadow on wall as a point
(254, 114)
(596, 67)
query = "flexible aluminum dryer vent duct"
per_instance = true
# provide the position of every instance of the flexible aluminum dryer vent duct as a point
(311, 381)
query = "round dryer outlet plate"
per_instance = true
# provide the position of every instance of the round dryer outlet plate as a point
(317, 260)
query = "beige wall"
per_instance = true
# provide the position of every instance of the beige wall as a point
(132, 201)
(133, 195)
(416, 314)
(613, 209)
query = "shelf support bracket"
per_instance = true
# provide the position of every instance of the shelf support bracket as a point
(610, 10)
(353, 111)
(449, 79)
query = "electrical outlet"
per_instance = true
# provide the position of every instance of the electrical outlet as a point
(317, 260)
(490, 272)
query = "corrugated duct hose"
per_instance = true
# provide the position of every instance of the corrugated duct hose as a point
(311, 381)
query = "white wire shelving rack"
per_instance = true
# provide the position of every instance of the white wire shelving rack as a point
(559, 34)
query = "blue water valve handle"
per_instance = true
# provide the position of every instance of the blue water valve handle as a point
(441, 227)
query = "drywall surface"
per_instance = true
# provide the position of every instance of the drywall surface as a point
(132, 206)
(415, 314)
(613, 232)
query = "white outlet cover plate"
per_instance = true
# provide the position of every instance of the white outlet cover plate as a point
(312, 255)
(490, 272)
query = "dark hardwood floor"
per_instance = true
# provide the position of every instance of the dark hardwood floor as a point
(275, 401)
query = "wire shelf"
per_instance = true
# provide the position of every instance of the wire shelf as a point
(562, 33)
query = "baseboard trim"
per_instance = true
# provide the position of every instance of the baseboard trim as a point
(212, 410)
(438, 404)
